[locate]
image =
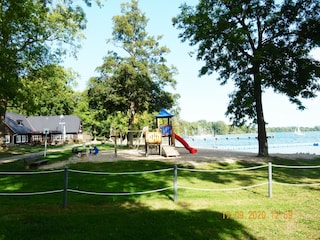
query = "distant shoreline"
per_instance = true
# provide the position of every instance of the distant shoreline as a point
(280, 143)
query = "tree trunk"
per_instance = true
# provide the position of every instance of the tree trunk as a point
(262, 134)
(130, 125)
(3, 109)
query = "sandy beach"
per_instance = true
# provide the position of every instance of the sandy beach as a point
(203, 155)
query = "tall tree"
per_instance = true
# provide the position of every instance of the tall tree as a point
(33, 33)
(51, 91)
(135, 80)
(259, 44)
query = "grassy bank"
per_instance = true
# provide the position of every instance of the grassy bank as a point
(292, 212)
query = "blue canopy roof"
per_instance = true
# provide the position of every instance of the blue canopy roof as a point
(164, 114)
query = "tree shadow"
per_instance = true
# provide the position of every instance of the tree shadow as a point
(118, 222)
(145, 182)
(121, 217)
(295, 175)
(109, 183)
(226, 177)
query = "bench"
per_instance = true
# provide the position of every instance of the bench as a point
(34, 161)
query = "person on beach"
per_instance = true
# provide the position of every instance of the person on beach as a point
(94, 150)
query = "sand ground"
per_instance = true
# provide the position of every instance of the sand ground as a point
(203, 155)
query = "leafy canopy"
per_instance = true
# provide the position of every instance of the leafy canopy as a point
(257, 44)
(51, 91)
(133, 79)
(33, 34)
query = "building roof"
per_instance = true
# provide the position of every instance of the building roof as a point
(55, 123)
(18, 123)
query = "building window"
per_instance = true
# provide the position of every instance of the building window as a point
(21, 138)
(37, 138)
(7, 138)
(19, 122)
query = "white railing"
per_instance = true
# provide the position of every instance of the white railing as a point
(176, 186)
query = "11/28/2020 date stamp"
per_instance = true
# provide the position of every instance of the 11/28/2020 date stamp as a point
(258, 215)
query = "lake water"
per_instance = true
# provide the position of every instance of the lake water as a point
(279, 142)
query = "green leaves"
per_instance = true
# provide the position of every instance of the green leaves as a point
(46, 91)
(35, 35)
(258, 45)
(132, 80)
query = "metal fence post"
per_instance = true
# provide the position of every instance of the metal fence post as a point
(65, 187)
(270, 179)
(175, 183)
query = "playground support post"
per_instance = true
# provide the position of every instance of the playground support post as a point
(270, 179)
(175, 183)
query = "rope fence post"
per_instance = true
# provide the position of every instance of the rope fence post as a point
(270, 179)
(175, 183)
(115, 146)
(65, 187)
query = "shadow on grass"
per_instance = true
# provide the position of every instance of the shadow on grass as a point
(127, 183)
(113, 183)
(116, 222)
(296, 175)
(19, 165)
(89, 217)
(225, 177)
(109, 183)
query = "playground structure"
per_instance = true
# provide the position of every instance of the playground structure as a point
(164, 132)
(153, 139)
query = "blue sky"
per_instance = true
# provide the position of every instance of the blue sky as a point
(201, 98)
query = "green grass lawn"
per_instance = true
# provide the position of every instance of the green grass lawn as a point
(292, 212)
(23, 149)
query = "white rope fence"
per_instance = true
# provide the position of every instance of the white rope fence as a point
(32, 193)
(31, 173)
(288, 166)
(223, 170)
(121, 173)
(120, 193)
(296, 184)
(224, 189)
(175, 186)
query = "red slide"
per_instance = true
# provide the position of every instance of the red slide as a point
(185, 144)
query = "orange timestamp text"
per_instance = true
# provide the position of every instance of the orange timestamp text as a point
(258, 214)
